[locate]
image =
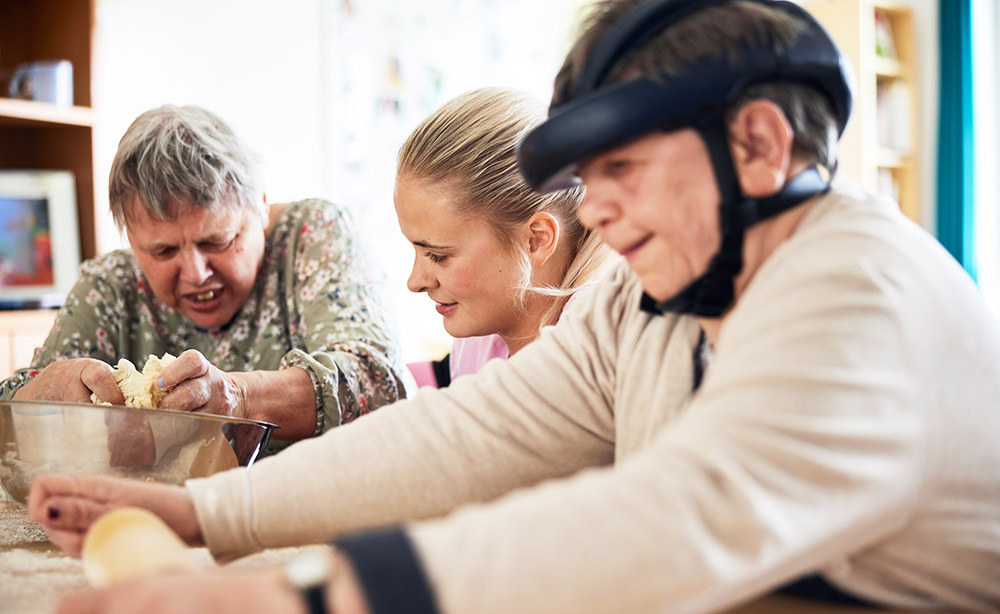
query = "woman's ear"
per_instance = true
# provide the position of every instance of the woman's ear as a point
(761, 140)
(543, 237)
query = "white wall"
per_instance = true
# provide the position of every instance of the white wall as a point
(925, 14)
(277, 72)
(257, 67)
(299, 80)
(986, 87)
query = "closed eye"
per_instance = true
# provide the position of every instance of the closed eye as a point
(217, 243)
(214, 246)
(435, 258)
(616, 168)
(163, 253)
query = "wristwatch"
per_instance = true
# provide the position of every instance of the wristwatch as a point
(309, 573)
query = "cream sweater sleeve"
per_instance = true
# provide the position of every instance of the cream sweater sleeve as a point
(542, 414)
(804, 445)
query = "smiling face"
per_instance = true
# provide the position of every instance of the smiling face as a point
(460, 263)
(655, 201)
(203, 263)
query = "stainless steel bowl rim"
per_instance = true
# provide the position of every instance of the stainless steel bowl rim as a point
(166, 412)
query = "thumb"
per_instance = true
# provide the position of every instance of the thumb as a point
(99, 378)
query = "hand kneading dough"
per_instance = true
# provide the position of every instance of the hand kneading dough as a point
(130, 542)
(140, 389)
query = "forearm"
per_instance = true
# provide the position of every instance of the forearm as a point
(285, 397)
(416, 459)
(350, 379)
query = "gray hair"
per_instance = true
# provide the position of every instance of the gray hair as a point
(186, 153)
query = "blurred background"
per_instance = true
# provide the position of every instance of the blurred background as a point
(326, 90)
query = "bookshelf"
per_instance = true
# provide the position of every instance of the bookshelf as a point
(39, 135)
(881, 145)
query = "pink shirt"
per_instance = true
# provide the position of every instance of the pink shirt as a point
(469, 354)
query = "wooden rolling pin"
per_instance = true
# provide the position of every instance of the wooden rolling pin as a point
(130, 542)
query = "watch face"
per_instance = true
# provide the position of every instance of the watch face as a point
(308, 569)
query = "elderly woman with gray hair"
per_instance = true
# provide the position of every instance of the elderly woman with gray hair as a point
(271, 309)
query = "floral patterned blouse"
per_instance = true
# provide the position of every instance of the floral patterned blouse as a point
(317, 304)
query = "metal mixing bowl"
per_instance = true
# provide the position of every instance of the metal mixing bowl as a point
(151, 444)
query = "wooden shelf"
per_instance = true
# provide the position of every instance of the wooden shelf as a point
(27, 113)
(886, 67)
(880, 80)
(890, 158)
(892, 6)
(40, 135)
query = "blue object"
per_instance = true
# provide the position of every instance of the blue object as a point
(956, 136)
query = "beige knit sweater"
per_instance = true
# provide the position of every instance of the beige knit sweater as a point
(848, 424)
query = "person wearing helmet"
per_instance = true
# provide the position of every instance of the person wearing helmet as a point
(787, 384)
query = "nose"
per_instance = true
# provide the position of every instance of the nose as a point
(420, 280)
(195, 268)
(596, 209)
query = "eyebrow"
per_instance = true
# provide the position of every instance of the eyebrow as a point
(429, 245)
(212, 238)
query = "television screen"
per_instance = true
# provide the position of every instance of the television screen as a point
(25, 242)
(39, 240)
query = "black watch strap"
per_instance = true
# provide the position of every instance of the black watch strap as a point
(309, 574)
(389, 571)
(315, 598)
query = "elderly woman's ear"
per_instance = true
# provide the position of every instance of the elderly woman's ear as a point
(761, 140)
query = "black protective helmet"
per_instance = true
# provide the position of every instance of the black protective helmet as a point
(599, 117)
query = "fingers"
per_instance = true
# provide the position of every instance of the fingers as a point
(190, 395)
(190, 364)
(72, 513)
(72, 502)
(188, 380)
(59, 381)
(72, 379)
(99, 378)
(46, 486)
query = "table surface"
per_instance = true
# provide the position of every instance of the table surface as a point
(34, 574)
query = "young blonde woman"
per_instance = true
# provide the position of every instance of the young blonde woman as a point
(500, 260)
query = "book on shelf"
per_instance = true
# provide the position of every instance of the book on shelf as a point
(893, 115)
(885, 43)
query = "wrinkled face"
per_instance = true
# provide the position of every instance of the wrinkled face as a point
(459, 262)
(203, 264)
(655, 201)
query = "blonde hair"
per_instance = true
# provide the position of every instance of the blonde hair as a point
(469, 147)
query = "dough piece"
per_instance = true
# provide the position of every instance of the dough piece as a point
(139, 389)
(131, 542)
(214, 455)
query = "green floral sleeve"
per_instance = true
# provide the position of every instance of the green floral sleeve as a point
(87, 326)
(338, 313)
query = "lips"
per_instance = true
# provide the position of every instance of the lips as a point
(630, 252)
(446, 309)
(205, 300)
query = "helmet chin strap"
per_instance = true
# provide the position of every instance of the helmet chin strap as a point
(712, 293)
